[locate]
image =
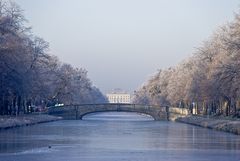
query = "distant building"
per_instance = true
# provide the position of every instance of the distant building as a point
(119, 97)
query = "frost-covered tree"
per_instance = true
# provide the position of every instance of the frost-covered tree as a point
(209, 80)
(29, 76)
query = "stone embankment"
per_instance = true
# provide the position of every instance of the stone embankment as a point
(7, 122)
(216, 123)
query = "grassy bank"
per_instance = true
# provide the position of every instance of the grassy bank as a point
(216, 123)
(7, 122)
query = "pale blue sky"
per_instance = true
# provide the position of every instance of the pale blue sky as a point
(122, 42)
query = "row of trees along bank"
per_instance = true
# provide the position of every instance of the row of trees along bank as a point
(208, 81)
(29, 76)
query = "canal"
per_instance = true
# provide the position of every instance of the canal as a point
(117, 137)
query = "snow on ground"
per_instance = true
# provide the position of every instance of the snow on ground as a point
(221, 124)
(24, 120)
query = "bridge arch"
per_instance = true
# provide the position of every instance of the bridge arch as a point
(78, 111)
(96, 112)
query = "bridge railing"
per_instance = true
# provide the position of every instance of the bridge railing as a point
(157, 112)
(134, 106)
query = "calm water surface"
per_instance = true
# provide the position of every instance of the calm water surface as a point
(117, 137)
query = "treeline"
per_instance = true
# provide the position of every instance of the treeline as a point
(208, 81)
(29, 76)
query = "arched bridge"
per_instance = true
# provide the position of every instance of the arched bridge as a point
(78, 111)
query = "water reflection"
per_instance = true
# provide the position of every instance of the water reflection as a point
(117, 136)
(118, 116)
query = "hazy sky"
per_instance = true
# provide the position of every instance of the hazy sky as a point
(122, 42)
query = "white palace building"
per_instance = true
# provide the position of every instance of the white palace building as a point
(119, 97)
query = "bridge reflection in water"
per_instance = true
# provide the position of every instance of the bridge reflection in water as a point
(117, 116)
(78, 111)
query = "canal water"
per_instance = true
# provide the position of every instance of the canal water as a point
(117, 137)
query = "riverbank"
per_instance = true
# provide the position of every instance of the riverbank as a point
(7, 122)
(216, 123)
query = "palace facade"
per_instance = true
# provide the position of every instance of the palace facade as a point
(119, 98)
